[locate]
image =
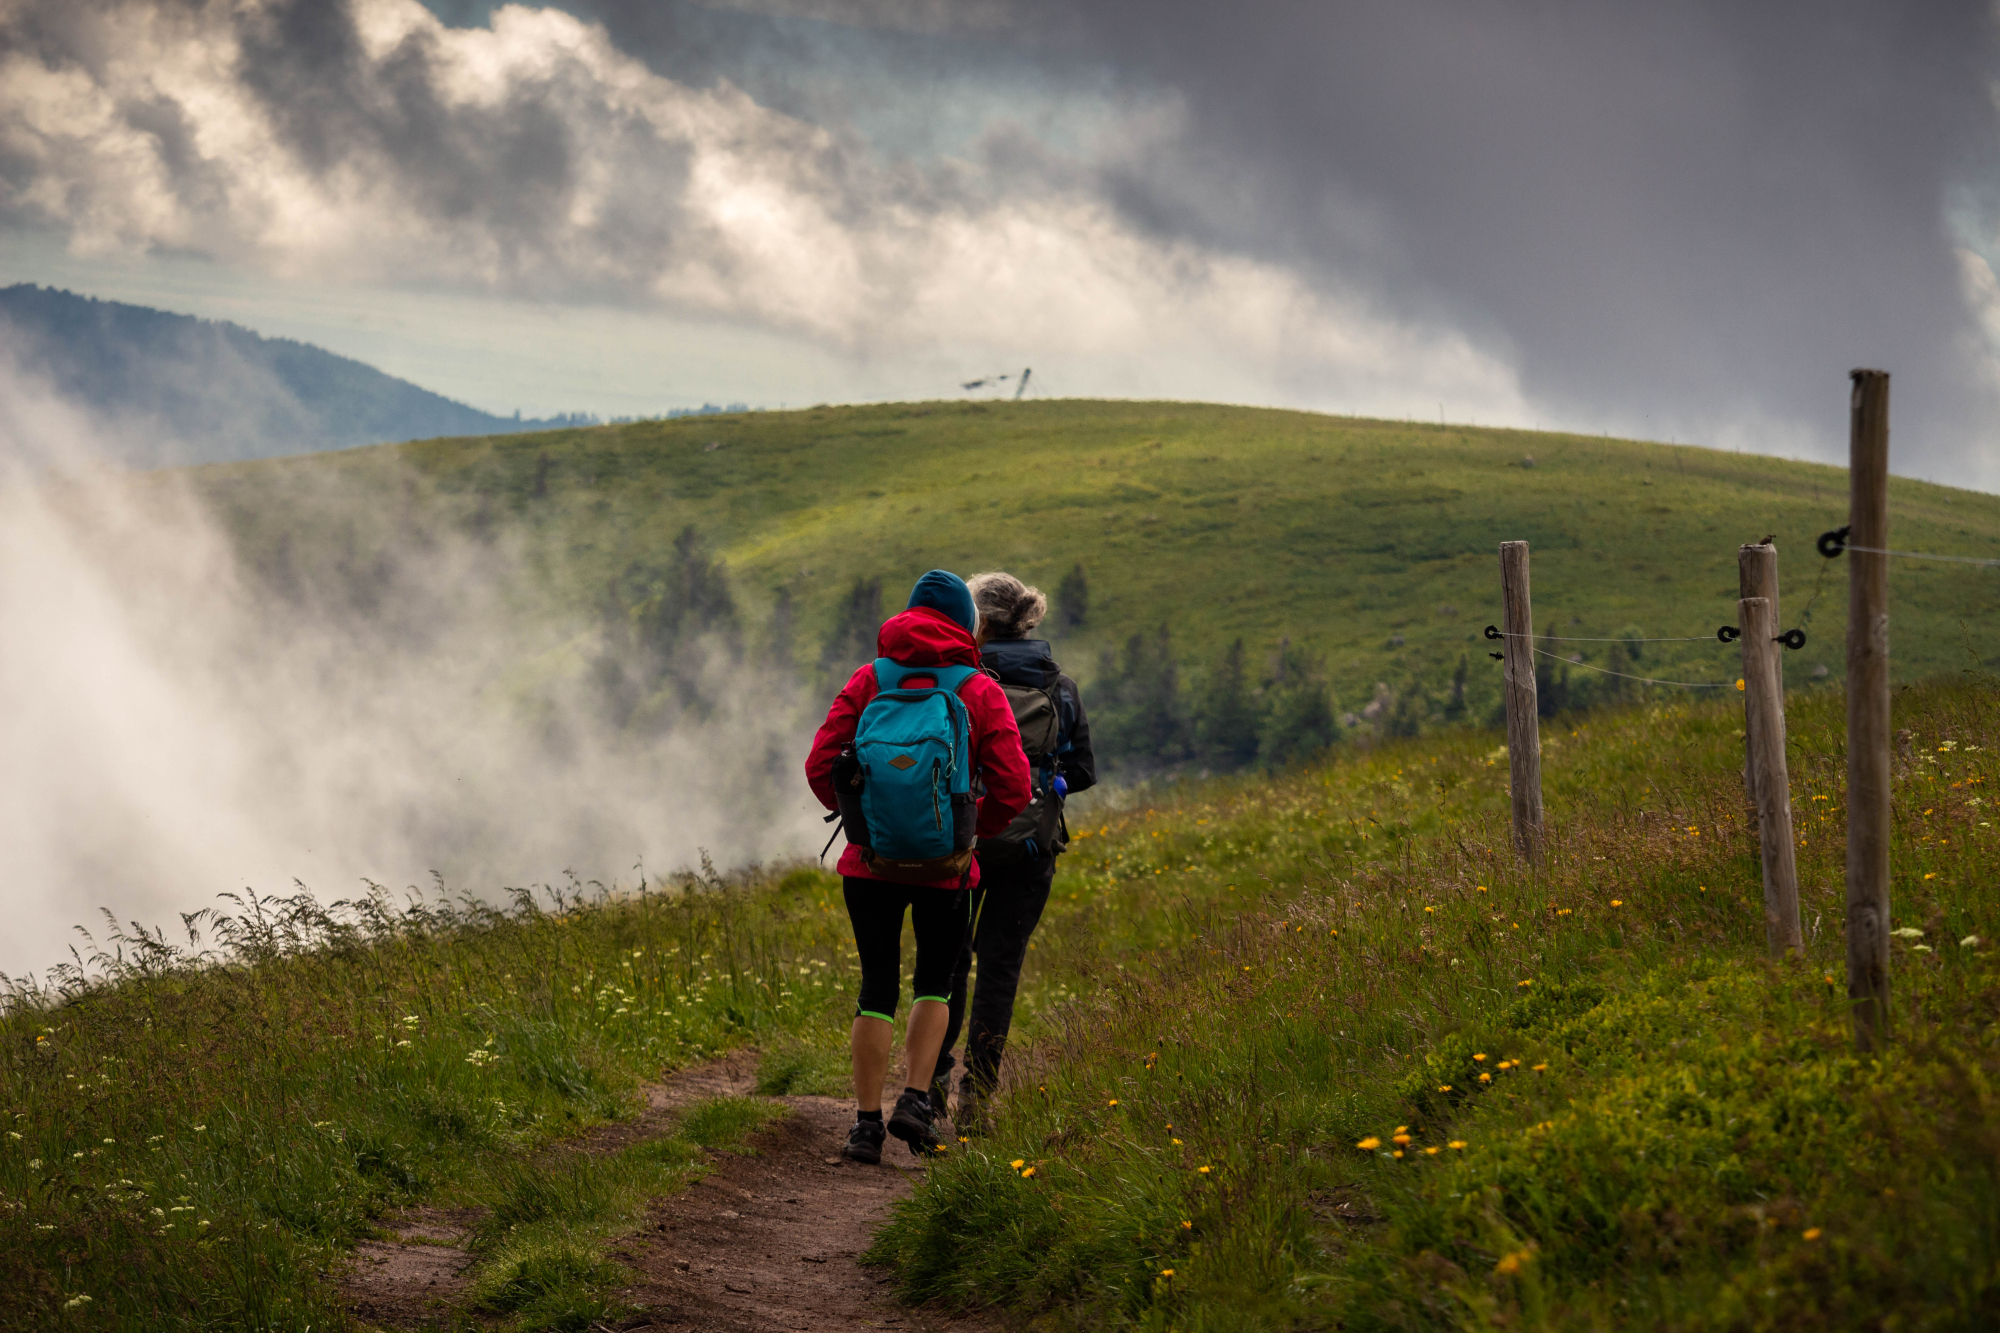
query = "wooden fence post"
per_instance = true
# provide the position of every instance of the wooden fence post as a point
(1868, 709)
(1524, 735)
(1764, 725)
(1756, 576)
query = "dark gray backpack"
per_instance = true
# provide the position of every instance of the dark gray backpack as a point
(1038, 830)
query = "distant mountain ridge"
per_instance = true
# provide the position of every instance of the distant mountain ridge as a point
(170, 388)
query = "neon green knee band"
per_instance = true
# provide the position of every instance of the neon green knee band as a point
(870, 1013)
(936, 999)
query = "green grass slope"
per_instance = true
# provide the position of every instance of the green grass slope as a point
(1614, 1113)
(1371, 542)
(1367, 1070)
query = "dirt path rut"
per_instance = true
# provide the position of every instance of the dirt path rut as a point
(765, 1243)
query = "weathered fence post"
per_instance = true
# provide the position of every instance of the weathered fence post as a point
(1764, 725)
(1868, 709)
(1756, 576)
(1524, 736)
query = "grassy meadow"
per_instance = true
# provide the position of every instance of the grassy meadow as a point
(1299, 1049)
(1370, 544)
(1377, 1073)
(1295, 1050)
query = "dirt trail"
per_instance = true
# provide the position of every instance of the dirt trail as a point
(762, 1244)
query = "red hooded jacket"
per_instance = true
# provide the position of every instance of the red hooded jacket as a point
(923, 637)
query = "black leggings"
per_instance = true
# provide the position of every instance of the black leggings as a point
(938, 917)
(1014, 894)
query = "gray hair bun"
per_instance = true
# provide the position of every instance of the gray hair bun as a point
(1008, 608)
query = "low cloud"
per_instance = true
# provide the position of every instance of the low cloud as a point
(330, 684)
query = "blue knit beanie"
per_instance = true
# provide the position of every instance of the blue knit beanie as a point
(942, 590)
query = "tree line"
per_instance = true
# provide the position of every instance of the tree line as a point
(668, 623)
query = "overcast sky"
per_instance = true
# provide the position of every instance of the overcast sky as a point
(1683, 221)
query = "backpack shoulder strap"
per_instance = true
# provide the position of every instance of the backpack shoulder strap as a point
(953, 678)
(889, 675)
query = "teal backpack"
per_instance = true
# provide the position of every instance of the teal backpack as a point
(905, 786)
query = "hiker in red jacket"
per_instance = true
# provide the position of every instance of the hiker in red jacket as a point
(939, 629)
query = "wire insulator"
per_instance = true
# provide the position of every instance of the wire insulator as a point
(1729, 634)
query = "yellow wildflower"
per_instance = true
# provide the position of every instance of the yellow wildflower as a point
(1812, 1233)
(1369, 1144)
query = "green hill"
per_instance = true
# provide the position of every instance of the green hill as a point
(1370, 545)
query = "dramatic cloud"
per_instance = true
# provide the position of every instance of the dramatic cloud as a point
(369, 142)
(1698, 212)
(1685, 220)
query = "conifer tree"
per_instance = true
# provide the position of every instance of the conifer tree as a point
(1137, 696)
(1073, 599)
(1300, 721)
(1227, 718)
(851, 641)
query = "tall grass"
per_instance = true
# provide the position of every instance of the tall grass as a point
(1244, 991)
(1415, 1083)
(196, 1134)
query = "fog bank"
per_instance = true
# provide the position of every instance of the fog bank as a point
(375, 695)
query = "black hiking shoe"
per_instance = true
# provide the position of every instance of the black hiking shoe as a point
(974, 1116)
(911, 1122)
(864, 1142)
(941, 1084)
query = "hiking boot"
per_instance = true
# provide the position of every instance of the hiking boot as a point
(864, 1142)
(911, 1122)
(941, 1084)
(973, 1116)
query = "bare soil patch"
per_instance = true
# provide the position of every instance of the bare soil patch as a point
(410, 1281)
(772, 1243)
(767, 1242)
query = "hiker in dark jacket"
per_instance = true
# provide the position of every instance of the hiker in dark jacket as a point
(1018, 865)
(936, 631)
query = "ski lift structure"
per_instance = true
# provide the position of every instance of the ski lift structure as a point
(1000, 381)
